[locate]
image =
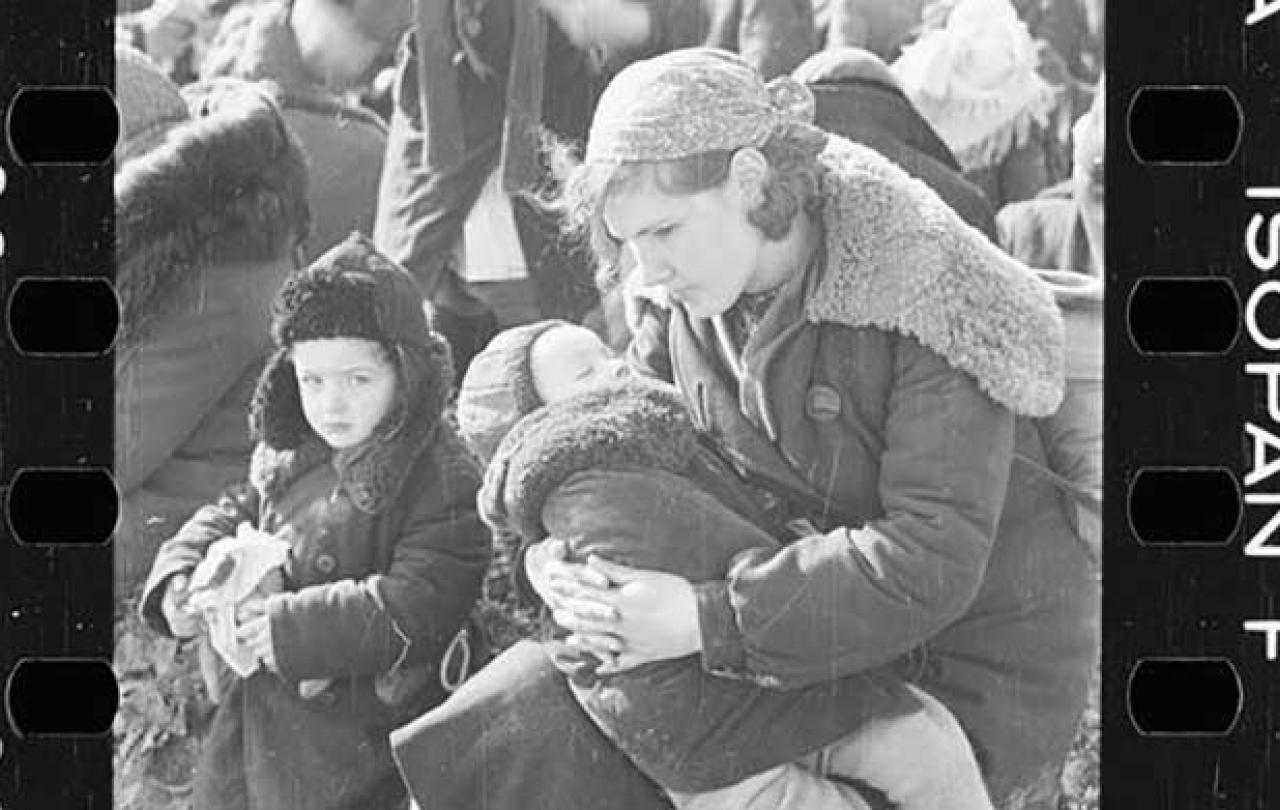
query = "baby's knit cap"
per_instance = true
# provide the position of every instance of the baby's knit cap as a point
(498, 389)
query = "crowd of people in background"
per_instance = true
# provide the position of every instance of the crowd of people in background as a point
(440, 153)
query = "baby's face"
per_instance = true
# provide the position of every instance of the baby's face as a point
(567, 360)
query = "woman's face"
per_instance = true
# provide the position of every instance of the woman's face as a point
(348, 386)
(567, 360)
(699, 248)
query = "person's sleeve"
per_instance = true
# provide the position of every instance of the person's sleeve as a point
(182, 369)
(421, 209)
(833, 604)
(183, 552)
(407, 614)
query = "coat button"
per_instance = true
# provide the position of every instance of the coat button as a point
(822, 403)
(325, 563)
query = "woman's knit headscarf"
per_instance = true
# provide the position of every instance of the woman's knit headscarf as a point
(691, 101)
(679, 105)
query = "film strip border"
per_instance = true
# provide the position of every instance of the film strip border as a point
(1192, 409)
(1192, 406)
(59, 314)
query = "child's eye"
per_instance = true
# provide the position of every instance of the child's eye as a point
(310, 380)
(664, 231)
(361, 379)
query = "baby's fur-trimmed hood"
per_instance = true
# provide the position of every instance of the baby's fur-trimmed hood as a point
(899, 259)
(638, 424)
(229, 186)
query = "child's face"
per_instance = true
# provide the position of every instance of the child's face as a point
(347, 385)
(567, 360)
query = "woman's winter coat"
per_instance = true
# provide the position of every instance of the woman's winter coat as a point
(888, 393)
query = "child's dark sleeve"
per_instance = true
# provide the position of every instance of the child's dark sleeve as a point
(409, 613)
(184, 551)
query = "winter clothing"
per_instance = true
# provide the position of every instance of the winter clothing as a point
(621, 474)
(883, 27)
(386, 560)
(149, 103)
(514, 737)
(343, 144)
(884, 395)
(1047, 232)
(691, 101)
(498, 388)
(421, 209)
(207, 220)
(977, 81)
(858, 98)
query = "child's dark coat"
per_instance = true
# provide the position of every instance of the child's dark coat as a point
(387, 559)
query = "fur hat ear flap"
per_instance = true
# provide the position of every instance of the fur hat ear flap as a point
(275, 412)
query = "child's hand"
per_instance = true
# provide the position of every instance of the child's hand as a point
(183, 621)
(255, 635)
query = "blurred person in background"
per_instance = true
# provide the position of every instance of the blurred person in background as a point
(1062, 228)
(314, 52)
(976, 79)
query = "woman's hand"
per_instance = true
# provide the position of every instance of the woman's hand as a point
(553, 577)
(647, 616)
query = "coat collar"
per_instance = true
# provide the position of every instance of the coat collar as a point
(899, 259)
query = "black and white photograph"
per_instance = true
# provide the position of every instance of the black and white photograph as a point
(589, 404)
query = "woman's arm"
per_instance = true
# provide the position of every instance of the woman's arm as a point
(836, 603)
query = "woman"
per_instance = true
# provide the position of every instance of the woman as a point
(874, 366)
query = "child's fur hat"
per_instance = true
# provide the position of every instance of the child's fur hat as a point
(352, 291)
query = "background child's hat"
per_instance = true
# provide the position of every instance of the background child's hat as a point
(149, 103)
(498, 388)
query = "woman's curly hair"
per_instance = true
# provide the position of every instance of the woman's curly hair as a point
(580, 189)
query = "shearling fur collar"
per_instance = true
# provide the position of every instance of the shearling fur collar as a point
(899, 259)
(371, 480)
(641, 423)
(230, 186)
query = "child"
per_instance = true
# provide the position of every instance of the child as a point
(608, 461)
(359, 472)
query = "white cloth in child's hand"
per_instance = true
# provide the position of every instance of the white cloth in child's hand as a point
(232, 571)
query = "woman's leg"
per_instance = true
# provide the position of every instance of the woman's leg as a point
(786, 787)
(922, 761)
